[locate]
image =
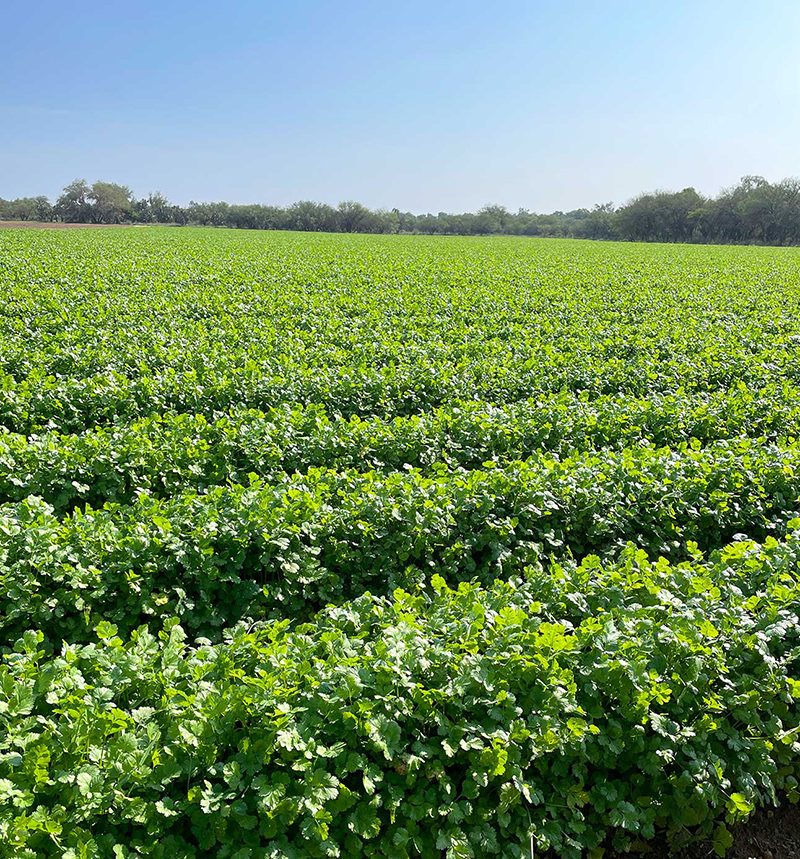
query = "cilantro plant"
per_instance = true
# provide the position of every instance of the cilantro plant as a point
(318, 546)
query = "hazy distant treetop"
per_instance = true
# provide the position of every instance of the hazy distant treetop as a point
(111, 203)
(754, 210)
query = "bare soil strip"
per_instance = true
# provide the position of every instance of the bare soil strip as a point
(772, 833)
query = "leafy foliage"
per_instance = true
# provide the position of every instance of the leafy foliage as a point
(663, 695)
(292, 545)
(317, 546)
(754, 211)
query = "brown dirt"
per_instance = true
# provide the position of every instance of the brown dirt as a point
(53, 225)
(772, 833)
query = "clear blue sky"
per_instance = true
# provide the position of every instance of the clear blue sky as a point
(427, 106)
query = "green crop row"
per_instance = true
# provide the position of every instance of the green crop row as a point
(71, 405)
(393, 547)
(590, 706)
(164, 454)
(293, 546)
(94, 331)
(84, 305)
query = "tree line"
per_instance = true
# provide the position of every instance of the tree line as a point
(754, 211)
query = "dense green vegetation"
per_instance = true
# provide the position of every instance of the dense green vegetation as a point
(754, 211)
(393, 546)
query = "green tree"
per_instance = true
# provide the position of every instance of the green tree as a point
(74, 205)
(154, 208)
(26, 209)
(307, 215)
(111, 203)
(351, 215)
(492, 219)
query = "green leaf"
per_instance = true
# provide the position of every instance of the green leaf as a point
(722, 840)
(364, 821)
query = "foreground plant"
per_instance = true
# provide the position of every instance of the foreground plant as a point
(593, 706)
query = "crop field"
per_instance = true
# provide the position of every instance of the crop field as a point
(319, 546)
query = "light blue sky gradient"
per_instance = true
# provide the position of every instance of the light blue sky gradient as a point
(426, 106)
